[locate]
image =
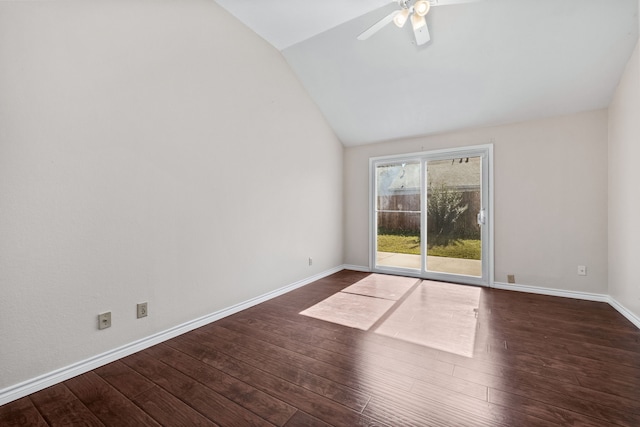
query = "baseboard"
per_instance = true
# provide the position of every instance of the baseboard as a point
(356, 268)
(25, 388)
(625, 312)
(33, 385)
(573, 294)
(547, 291)
(552, 292)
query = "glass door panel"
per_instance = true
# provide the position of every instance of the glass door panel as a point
(454, 210)
(431, 216)
(398, 201)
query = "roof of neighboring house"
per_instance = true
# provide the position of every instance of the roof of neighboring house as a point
(459, 173)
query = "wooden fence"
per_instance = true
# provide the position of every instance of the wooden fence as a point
(400, 214)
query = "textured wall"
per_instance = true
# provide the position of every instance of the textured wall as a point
(624, 196)
(149, 151)
(550, 197)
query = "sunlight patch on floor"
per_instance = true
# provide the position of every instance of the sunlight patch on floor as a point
(438, 315)
(355, 311)
(382, 286)
(362, 304)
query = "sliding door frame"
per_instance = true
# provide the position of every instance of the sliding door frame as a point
(486, 151)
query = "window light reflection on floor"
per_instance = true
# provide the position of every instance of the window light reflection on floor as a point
(438, 315)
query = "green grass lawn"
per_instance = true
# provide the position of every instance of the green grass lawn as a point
(466, 249)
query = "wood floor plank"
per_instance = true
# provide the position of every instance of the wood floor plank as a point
(293, 394)
(124, 379)
(256, 401)
(434, 407)
(629, 389)
(312, 403)
(311, 335)
(268, 355)
(301, 419)
(106, 403)
(213, 405)
(537, 361)
(60, 407)
(21, 413)
(376, 344)
(581, 365)
(544, 411)
(605, 353)
(521, 383)
(379, 351)
(405, 412)
(519, 325)
(332, 351)
(332, 365)
(168, 410)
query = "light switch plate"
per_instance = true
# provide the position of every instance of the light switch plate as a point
(104, 320)
(141, 310)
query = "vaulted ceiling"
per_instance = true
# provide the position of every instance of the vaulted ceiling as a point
(488, 62)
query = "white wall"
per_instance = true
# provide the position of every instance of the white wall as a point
(149, 151)
(550, 198)
(624, 199)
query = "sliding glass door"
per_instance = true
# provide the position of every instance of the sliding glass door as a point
(431, 215)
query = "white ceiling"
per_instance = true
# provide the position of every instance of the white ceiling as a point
(489, 62)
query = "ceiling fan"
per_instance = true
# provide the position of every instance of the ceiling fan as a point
(416, 10)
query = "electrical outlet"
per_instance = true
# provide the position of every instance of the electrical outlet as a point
(104, 320)
(310, 261)
(142, 309)
(582, 270)
(511, 278)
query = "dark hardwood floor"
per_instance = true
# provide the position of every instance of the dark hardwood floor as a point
(537, 361)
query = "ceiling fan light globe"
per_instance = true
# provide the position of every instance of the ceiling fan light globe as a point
(421, 7)
(401, 18)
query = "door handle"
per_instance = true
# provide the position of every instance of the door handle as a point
(481, 218)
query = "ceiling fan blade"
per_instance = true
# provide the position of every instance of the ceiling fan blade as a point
(378, 25)
(420, 30)
(447, 2)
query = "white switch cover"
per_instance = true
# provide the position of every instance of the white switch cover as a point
(104, 320)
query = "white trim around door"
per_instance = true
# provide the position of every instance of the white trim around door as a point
(398, 193)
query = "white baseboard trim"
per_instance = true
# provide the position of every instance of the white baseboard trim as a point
(552, 292)
(548, 291)
(573, 294)
(356, 268)
(33, 385)
(625, 312)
